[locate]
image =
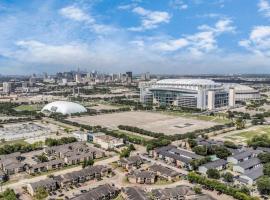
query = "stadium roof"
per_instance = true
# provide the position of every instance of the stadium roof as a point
(187, 82)
(64, 107)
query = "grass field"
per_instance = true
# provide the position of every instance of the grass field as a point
(34, 107)
(217, 119)
(246, 135)
(13, 142)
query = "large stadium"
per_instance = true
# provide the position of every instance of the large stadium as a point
(192, 93)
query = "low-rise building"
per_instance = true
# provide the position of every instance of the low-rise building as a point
(108, 142)
(247, 165)
(219, 164)
(164, 172)
(46, 166)
(132, 162)
(251, 176)
(135, 193)
(99, 193)
(48, 184)
(243, 156)
(142, 177)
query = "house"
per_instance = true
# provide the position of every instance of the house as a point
(249, 164)
(46, 166)
(142, 177)
(179, 192)
(243, 156)
(48, 184)
(264, 149)
(101, 192)
(219, 164)
(134, 193)
(132, 162)
(251, 176)
(108, 142)
(164, 172)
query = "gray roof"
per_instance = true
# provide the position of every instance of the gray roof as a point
(163, 170)
(255, 173)
(97, 193)
(203, 197)
(185, 153)
(245, 154)
(135, 193)
(173, 193)
(176, 157)
(215, 164)
(144, 174)
(264, 149)
(43, 183)
(249, 163)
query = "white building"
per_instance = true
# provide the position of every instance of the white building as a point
(7, 87)
(191, 93)
(63, 107)
(107, 141)
(80, 135)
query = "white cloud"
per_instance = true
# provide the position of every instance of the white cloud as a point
(178, 4)
(223, 25)
(264, 7)
(198, 43)
(76, 14)
(259, 41)
(150, 19)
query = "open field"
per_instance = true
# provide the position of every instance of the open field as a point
(156, 122)
(217, 119)
(241, 136)
(34, 107)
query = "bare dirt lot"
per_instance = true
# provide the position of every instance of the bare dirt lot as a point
(147, 120)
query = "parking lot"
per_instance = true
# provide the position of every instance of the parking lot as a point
(151, 121)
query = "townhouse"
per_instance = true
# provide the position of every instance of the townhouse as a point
(101, 192)
(132, 162)
(46, 166)
(247, 165)
(142, 177)
(134, 193)
(164, 172)
(243, 156)
(219, 164)
(48, 184)
(251, 176)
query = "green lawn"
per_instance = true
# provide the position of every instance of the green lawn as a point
(13, 142)
(34, 107)
(135, 135)
(217, 119)
(250, 134)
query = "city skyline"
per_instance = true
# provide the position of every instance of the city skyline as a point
(176, 36)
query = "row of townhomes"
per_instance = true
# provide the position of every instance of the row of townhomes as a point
(243, 162)
(72, 178)
(58, 157)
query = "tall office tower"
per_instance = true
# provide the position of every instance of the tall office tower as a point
(7, 87)
(78, 78)
(231, 97)
(129, 77)
(32, 80)
(145, 76)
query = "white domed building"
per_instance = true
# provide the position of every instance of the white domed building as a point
(63, 107)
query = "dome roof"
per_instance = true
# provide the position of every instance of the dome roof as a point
(64, 107)
(187, 82)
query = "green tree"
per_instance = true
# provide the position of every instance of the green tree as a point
(228, 177)
(200, 150)
(240, 123)
(197, 189)
(264, 157)
(8, 194)
(192, 143)
(88, 163)
(230, 144)
(263, 185)
(222, 152)
(266, 169)
(41, 193)
(213, 173)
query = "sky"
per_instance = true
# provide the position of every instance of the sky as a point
(156, 36)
